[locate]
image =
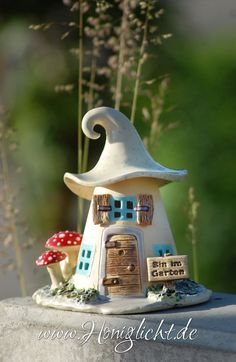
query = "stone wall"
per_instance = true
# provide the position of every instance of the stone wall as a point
(29, 332)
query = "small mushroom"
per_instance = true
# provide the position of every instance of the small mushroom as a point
(51, 260)
(69, 242)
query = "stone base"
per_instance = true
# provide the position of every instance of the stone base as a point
(29, 332)
(125, 305)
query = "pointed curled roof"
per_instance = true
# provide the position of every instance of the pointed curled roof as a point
(123, 157)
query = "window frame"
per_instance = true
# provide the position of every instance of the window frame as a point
(123, 209)
(85, 258)
(164, 248)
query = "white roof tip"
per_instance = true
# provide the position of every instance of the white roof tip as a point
(124, 155)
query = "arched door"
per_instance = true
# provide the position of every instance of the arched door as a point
(122, 266)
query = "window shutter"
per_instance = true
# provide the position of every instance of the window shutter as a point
(101, 208)
(144, 209)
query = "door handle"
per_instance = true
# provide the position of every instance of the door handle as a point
(131, 267)
(111, 282)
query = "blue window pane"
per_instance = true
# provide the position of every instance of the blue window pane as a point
(129, 205)
(85, 259)
(122, 208)
(161, 249)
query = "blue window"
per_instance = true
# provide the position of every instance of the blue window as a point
(123, 208)
(161, 249)
(85, 259)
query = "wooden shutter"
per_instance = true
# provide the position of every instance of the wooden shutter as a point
(101, 208)
(144, 209)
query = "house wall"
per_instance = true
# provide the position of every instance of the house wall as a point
(157, 233)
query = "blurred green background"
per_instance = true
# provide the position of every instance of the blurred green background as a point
(200, 58)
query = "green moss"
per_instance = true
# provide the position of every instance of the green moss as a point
(182, 288)
(68, 290)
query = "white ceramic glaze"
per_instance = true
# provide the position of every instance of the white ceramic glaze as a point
(157, 233)
(124, 155)
(127, 305)
(125, 168)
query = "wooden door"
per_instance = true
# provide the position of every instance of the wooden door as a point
(122, 266)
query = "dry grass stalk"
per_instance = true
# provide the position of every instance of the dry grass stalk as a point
(153, 115)
(10, 227)
(123, 30)
(114, 39)
(140, 61)
(97, 31)
(192, 229)
(80, 111)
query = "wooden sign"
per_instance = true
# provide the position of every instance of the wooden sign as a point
(166, 268)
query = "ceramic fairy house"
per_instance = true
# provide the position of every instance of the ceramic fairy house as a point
(126, 221)
(127, 251)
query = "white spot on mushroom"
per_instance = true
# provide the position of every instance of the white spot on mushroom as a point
(69, 242)
(78, 238)
(75, 243)
(61, 235)
(54, 239)
(58, 244)
(49, 258)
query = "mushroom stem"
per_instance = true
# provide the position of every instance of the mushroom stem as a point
(55, 273)
(69, 264)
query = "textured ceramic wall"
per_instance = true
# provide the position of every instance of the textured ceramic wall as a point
(157, 233)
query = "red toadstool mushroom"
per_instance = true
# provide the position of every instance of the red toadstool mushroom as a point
(51, 260)
(68, 242)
